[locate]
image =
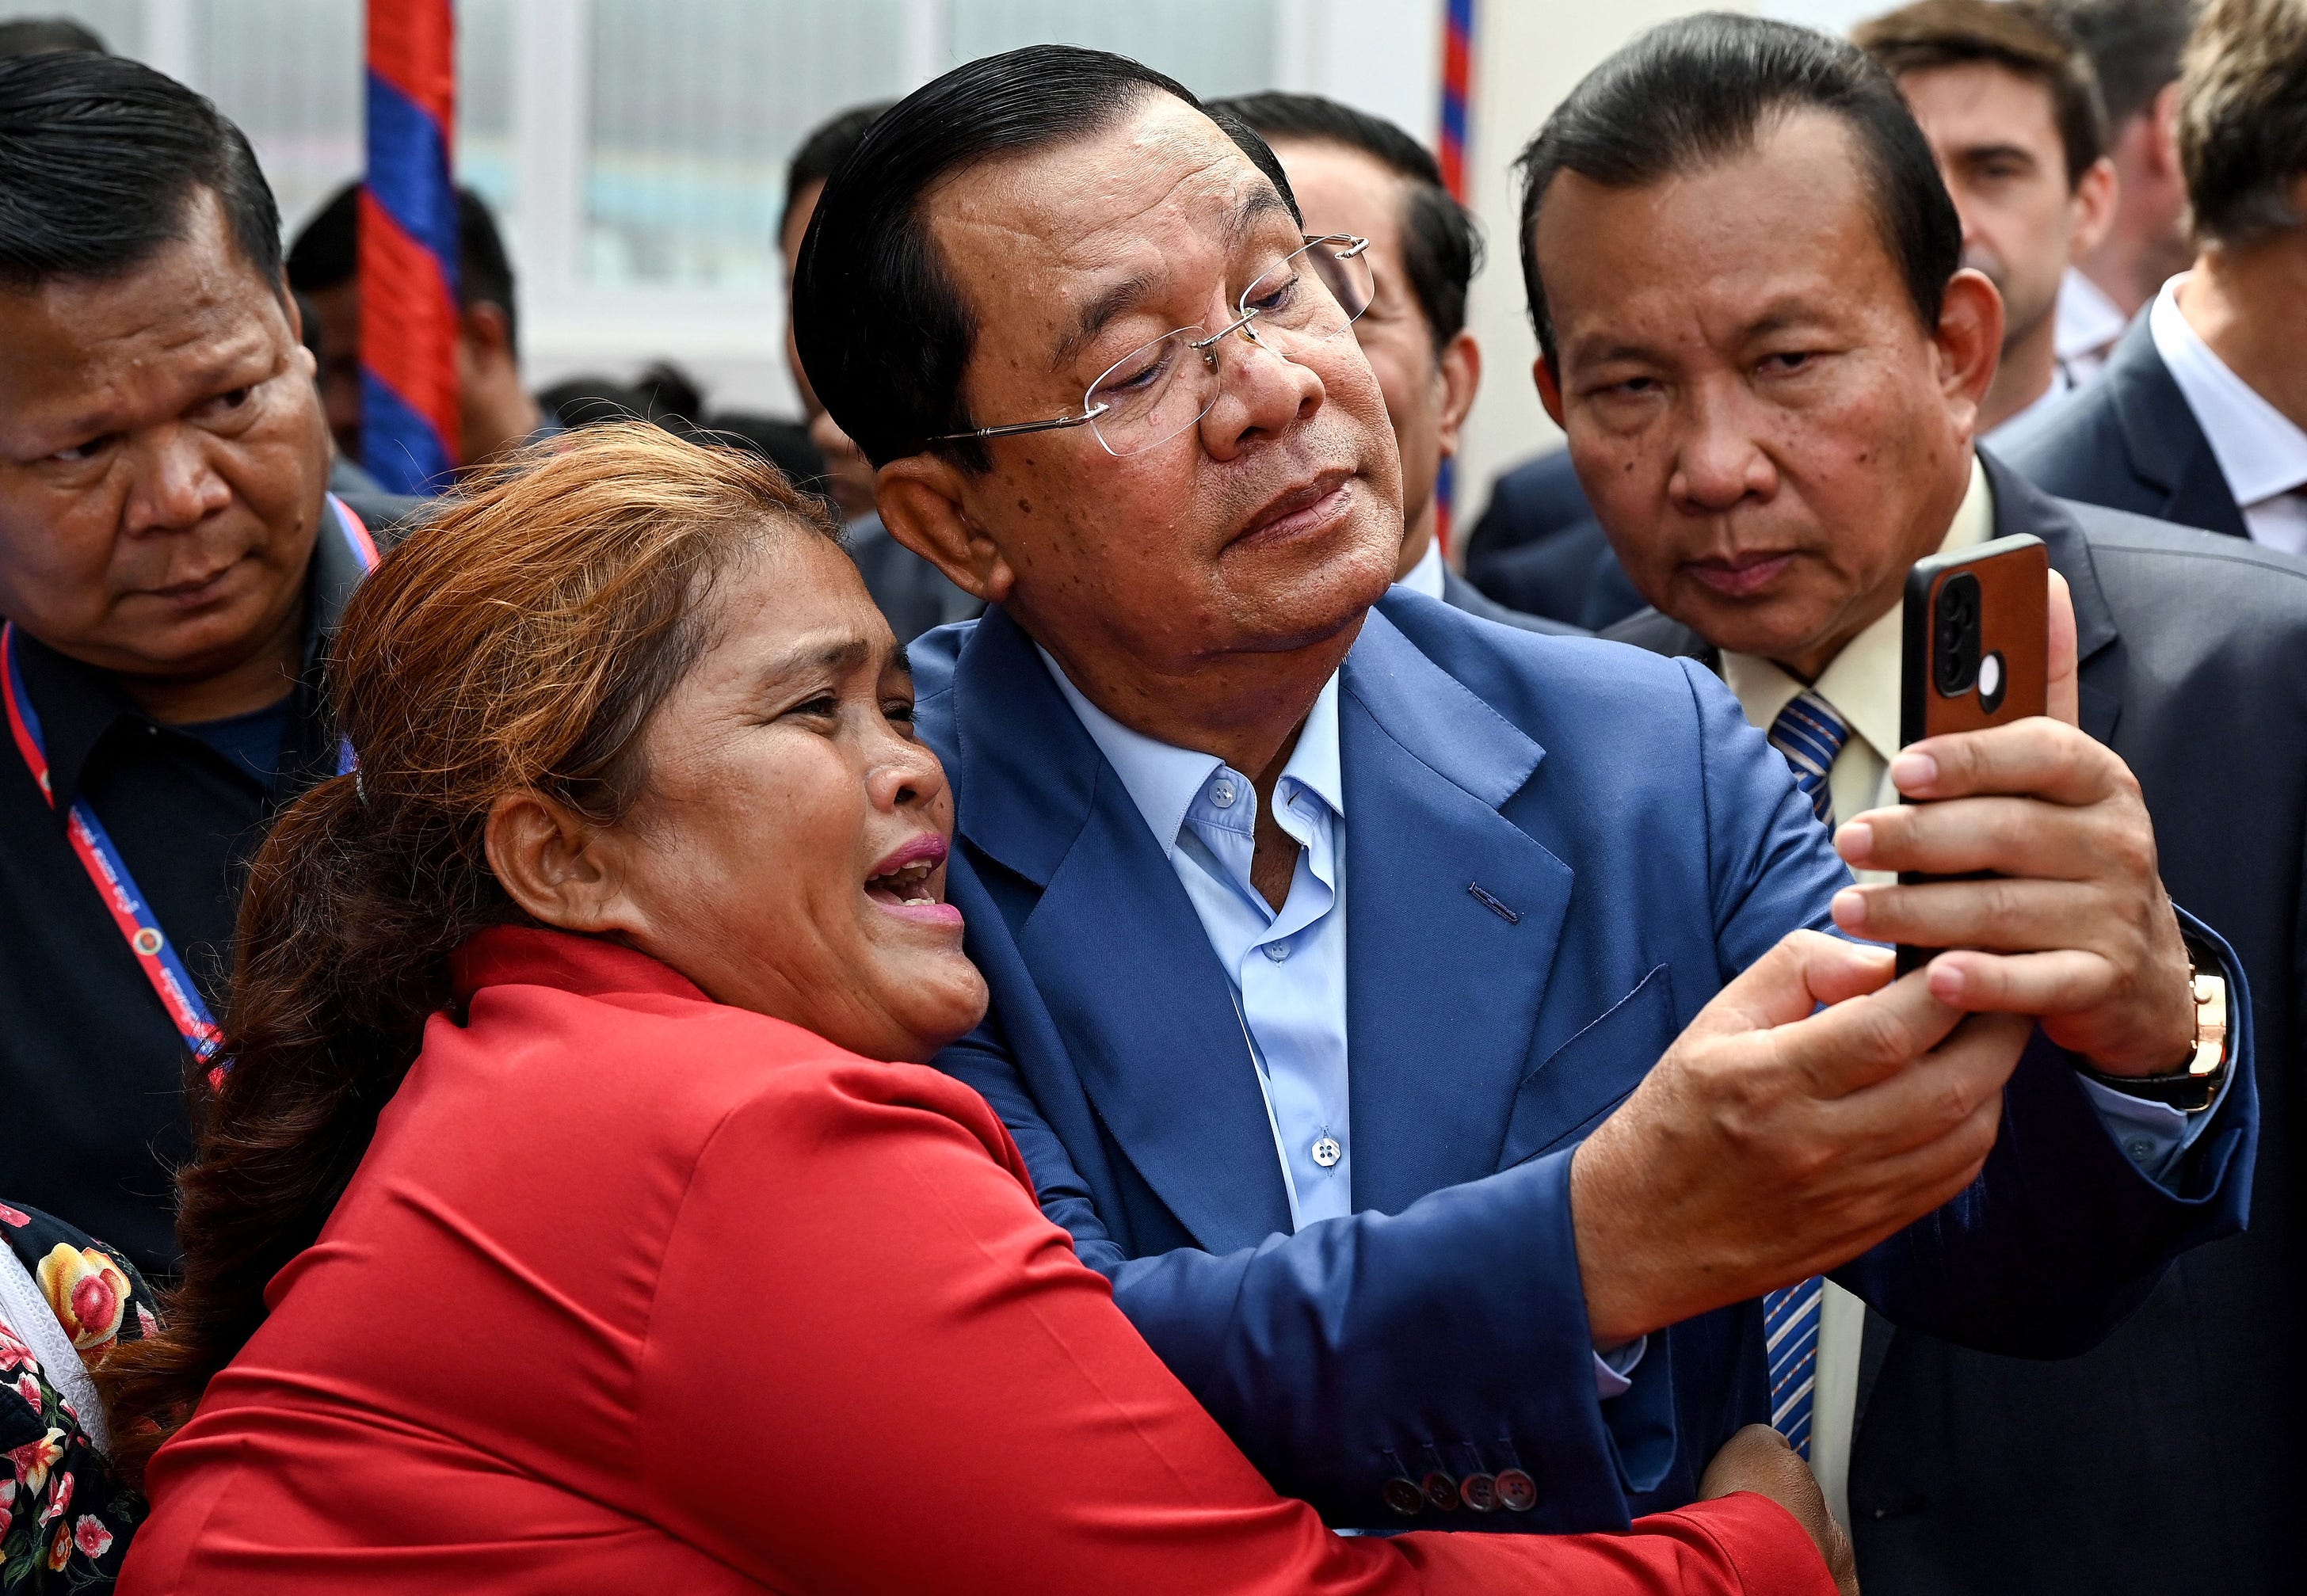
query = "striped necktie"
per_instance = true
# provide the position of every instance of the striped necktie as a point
(1810, 735)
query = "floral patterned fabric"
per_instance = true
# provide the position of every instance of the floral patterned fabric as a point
(65, 1520)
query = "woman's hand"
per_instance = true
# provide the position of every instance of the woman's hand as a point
(1758, 1459)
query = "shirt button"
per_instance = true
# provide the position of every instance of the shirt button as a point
(1326, 1152)
(1221, 793)
(1277, 951)
(2140, 1148)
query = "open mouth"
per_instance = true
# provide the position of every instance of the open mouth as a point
(910, 883)
(909, 886)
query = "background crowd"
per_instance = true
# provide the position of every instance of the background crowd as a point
(1493, 1235)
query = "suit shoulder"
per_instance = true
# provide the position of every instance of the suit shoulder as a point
(2163, 573)
(1539, 680)
(2076, 449)
(1659, 633)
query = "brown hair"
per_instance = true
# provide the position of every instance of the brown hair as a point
(2242, 118)
(2011, 34)
(519, 641)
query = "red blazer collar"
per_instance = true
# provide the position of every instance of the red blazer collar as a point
(533, 955)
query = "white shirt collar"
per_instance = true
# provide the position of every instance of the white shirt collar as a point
(1163, 779)
(2013, 427)
(1861, 681)
(1426, 576)
(2261, 452)
(2088, 320)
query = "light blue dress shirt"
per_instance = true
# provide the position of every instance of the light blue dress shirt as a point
(1288, 968)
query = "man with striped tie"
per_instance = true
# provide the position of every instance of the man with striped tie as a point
(1769, 366)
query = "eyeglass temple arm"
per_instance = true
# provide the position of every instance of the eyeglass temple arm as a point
(1017, 428)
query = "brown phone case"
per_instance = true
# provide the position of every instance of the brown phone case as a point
(1977, 650)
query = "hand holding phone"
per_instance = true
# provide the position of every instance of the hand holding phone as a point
(1977, 652)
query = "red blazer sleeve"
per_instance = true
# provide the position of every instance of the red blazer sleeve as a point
(873, 1366)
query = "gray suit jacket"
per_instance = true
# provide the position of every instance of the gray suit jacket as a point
(2167, 1461)
(2130, 441)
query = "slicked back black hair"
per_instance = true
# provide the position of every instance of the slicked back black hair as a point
(327, 253)
(100, 162)
(1441, 248)
(883, 333)
(1705, 88)
(824, 148)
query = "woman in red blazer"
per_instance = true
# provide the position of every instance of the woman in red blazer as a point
(554, 1226)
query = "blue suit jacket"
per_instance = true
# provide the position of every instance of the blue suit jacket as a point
(1642, 845)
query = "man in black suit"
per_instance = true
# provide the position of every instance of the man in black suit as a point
(2202, 415)
(1770, 368)
(1359, 174)
(1538, 547)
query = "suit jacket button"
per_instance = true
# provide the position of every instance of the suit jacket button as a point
(1480, 1492)
(1442, 1491)
(1404, 1497)
(1517, 1491)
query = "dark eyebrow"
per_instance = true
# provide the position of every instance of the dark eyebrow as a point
(1973, 153)
(846, 655)
(1260, 202)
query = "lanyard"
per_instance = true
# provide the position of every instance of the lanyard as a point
(107, 870)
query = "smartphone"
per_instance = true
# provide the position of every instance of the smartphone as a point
(1978, 651)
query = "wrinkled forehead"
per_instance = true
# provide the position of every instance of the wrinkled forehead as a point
(1158, 195)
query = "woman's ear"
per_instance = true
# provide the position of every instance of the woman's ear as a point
(558, 867)
(920, 498)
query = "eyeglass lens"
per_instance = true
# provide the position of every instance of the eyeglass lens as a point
(1159, 389)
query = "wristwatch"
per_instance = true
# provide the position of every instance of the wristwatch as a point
(2195, 1086)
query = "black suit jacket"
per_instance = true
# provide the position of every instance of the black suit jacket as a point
(2167, 1461)
(1461, 593)
(1538, 549)
(2130, 441)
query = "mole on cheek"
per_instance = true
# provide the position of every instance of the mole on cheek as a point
(1025, 508)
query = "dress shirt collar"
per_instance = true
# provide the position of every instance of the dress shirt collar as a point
(1861, 681)
(2034, 410)
(2088, 322)
(2261, 452)
(1426, 576)
(1163, 780)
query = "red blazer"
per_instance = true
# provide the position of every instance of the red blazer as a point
(638, 1292)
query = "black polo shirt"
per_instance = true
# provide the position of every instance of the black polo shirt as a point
(92, 1114)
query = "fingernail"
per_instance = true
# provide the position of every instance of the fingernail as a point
(1912, 772)
(1855, 842)
(1946, 983)
(1850, 909)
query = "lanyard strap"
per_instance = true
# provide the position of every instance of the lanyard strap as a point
(98, 855)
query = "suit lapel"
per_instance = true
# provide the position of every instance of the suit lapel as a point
(1116, 950)
(2019, 506)
(1443, 982)
(2167, 444)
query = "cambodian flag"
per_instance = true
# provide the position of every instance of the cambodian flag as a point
(408, 318)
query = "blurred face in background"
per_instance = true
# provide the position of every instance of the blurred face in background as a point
(162, 461)
(1427, 391)
(1269, 526)
(1768, 432)
(849, 475)
(1997, 136)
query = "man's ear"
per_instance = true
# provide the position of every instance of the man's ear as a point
(1549, 390)
(1968, 341)
(2093, 201)
(487, 331)
(557, 866)
(1462, 379)
(922, 501)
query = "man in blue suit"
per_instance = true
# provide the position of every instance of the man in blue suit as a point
(1475, 1236)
